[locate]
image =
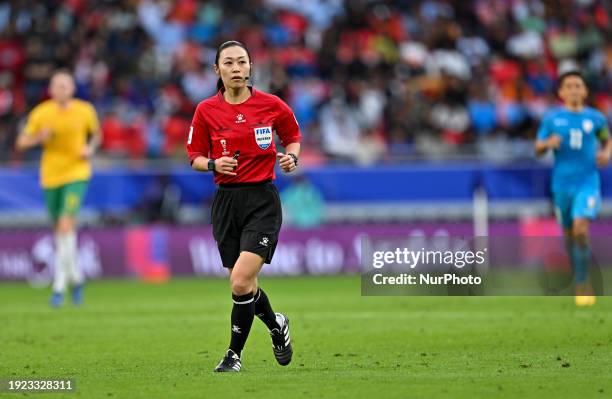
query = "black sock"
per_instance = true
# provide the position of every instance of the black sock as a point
(243, 313)
(263, 310)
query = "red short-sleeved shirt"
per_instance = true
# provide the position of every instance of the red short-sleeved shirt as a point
(219, 129)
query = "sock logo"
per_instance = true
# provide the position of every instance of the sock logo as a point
(264, 241)
(236, 329)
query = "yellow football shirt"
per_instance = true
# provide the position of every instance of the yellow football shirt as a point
(61, 161)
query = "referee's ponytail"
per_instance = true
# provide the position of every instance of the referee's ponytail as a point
(223, 46)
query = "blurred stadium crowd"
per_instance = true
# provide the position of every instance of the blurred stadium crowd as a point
(369, 80)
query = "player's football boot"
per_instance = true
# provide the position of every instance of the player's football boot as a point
(281, 342)
(77, 295)
(585, 300)
(56, 300)
(229, 363)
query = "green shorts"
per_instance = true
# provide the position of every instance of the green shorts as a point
(65, 200)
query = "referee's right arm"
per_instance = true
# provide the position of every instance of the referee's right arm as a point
(198, 149)
(200, 164)
(224, 165)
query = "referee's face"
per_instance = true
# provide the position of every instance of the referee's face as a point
(61, 87)
(234, 67)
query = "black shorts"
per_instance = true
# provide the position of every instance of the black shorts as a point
(246, 217)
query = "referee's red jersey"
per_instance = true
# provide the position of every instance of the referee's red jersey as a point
(219, 129)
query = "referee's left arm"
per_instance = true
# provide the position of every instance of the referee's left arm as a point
(288, 130)
(288, 162)
(293, 148)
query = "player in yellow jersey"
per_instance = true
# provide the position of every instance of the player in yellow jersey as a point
(68, 131)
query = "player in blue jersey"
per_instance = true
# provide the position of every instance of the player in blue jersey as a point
(580, 139)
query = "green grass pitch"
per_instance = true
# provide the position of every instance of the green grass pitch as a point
(132, 340)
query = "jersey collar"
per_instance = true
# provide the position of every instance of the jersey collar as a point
(222, 99)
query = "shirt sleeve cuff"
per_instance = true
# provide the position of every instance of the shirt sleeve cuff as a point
(291, 140)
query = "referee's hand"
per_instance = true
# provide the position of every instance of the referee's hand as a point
(286, 162)
(226, 165)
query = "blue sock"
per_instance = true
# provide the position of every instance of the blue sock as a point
(581, 257)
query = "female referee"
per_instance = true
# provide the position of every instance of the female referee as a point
(231, 134)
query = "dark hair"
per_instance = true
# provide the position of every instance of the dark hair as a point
(62, 71)
(223, 46)
(567, 74)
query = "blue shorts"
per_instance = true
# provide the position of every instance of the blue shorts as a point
(578, 203)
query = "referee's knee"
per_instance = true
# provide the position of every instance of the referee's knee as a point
(240, 285)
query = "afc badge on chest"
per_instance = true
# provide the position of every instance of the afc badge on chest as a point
(263, 136)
